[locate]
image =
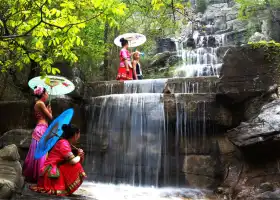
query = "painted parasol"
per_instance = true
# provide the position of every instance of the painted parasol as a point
(134, 39)
(55, 85)
(53, 133)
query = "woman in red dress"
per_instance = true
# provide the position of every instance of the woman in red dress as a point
(125, 71)
(62, 173)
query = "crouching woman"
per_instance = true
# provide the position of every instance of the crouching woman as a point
(62, 173)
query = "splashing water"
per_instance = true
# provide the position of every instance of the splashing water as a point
(201, 61)
(102, 191)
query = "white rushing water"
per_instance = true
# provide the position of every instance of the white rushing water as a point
(131, 125)
(101, 191)
(201, 61)
(144, 86)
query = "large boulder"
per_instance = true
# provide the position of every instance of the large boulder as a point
(11, 180)
(19, 137)
(247, 72)
(260, 129)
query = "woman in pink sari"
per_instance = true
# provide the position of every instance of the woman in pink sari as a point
(125, 71)
(31, 166)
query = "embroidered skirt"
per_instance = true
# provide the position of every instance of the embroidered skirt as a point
(68, 180)
(125, 75)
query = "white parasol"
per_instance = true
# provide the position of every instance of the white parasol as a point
(55, 85)
(134, 39)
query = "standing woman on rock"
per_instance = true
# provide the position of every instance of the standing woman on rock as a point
(125, 71)
(42, 112)
(136, 66)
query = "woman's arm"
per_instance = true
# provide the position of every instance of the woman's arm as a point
(78, 158)
(45, 110)
(125, 57)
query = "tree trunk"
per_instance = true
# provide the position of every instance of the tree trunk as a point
(106, 54)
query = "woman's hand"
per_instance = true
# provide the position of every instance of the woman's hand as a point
(81, 153)
(49, 108)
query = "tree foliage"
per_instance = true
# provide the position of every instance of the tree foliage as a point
(248, 8)
(37, 33)
(40, 32)
(155, 19)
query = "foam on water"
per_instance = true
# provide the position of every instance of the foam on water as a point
(102, 191)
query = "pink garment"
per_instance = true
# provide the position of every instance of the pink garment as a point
(31, 167)
(124, 55)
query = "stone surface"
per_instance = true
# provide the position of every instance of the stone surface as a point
(192, 85)
(11, 180)
(202, 171)
(265, 187)
(165, 44)
(258, 37)
(198, 107)
(246, 73)
(101, 88)
(160, 59)
(260, 129)
(20, 137)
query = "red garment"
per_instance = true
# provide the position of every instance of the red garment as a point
(58, 176)
(124, 75)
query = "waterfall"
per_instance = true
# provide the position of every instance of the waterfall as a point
(191, 125)
(144, 86)
(132, 127)
(203, 60)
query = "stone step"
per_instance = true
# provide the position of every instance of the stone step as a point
(174, 85)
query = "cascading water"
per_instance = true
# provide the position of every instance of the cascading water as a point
(144, 86)
(129, 143)
(200, 58)
(138, 142)
(132, 125)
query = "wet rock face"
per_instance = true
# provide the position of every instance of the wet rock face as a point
(10, 172)
(246, 72)
(165, 44)
(202, 171)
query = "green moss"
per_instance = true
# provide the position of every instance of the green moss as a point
(271, 49)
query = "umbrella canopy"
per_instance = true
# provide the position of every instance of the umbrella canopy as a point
(53, 133)
(134, 39)
(55, 85)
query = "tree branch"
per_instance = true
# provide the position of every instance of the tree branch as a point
(29, 31)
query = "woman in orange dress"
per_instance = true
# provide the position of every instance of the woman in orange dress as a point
(62, 173)
(125, 71)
